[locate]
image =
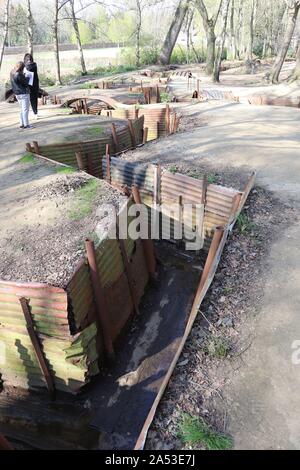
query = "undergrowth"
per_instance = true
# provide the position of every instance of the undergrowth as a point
(195, 431)
(84, 199)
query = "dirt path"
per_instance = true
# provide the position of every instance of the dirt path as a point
(261, 396)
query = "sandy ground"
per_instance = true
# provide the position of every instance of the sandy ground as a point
(261, 396)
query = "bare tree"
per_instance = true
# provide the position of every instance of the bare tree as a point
(78, 38)
(251, 29)
(30, 26)
(209, 26)
(296, 72)
(218, 59)
(56, 42)
(138, 32)
(173, 32)
(5, 30)
(58, 6)
(292, 13)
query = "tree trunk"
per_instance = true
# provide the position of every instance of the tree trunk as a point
(138, 33)
(292, 11)
(232, 32)
(56, 43)
(251, 30)
(30, 26)
(174, 30)
(296, 72)
(211, 49)
(209, 26)
(188, 36)
(238, 30)
(78, 39)
(5, 31)
(218, 60)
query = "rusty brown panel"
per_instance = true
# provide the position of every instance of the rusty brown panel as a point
(120, 305)
(80, 294)
(140, 272)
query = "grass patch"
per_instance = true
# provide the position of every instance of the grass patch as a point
(212, 179)
(165, 97)
(244, 224)
(84, 199)
(195, 431)
(94, 131)
(173, 169)
(64, 169)
(27, 158)
(88, 85)
(216, 347)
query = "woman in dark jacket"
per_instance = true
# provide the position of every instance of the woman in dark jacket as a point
(31, 66)
(20, 87)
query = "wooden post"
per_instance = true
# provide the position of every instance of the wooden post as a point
(86, 109)
(90, 164)
(211, 255)
(167, 119)
(148, 245)
(157, 94)
(36, 147)
(100, 300)
(145, 135)
(136, 112)
(36, 345)
(204, 190)
(108, 173)
(79, 159)
(198, 89)
(157, 184)
(28, 148)
(235, 206)
(128, 269)
(131, 131)
(115, 137)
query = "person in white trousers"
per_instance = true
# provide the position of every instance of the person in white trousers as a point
(20, 87)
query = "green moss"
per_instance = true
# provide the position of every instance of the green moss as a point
(27, 158)
(93, 131)
(64, 169)
(217, 347)
(195, 431)
(84, 199)
(212, 179)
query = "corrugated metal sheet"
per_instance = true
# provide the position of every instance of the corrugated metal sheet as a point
(49, 309)
(93, 150)
(129, 173)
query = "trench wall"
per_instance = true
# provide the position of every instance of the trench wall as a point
(65, 319)
(92, 150)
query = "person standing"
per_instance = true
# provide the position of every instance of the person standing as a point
(31, 66)
(20, 87)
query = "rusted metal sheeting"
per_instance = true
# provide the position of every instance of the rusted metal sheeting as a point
(154, 115)
(218, 199)
(128, 173)
(210, 94)
(138, 126)
(48, 307)
(290, 101)
(91, 152)
(113, 279)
